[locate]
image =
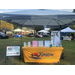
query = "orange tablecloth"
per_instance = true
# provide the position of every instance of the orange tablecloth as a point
(42, 54)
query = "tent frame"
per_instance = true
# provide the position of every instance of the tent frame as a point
(56, 18)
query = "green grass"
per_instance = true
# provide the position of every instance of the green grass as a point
(69, 51)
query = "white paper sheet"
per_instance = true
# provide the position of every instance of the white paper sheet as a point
(29, 44)
(34, 43)
(40, 43)
(24, 44)
(47, 43)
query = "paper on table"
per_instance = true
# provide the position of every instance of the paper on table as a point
(40, 43)
(47, 43)
(29, 44)
(34, 43)
(24, 44)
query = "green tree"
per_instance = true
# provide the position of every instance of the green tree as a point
(7, 25)
(72, 27)
(15, 26)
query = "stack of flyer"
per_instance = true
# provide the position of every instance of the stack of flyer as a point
(34, 43)
(47, 43)
(29, 44)
(38, 44)
(24, 44)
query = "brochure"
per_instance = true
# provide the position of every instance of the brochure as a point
(29, 44)
(34, 43)
(47, 43)
(24, 44)
(40, 43)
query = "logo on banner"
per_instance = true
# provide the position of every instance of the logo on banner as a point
(40, 54)
(35, 56)
(9, 48)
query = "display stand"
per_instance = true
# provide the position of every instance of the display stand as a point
(12, 51)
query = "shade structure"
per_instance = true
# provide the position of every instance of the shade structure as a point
(68, 29)
(18, 30)
(46, 18)
(43, 31)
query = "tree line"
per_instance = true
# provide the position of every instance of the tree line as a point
(7, 25)
(10, 26)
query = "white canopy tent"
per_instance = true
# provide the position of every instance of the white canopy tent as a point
(18, 30)
(44, 31)
(68, 29)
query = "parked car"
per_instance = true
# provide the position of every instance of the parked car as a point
(2, 35)
(31, 34)
(42, 34)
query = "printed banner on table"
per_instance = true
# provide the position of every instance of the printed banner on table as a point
(42, 54)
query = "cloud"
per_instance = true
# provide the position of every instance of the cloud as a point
(1, 11)
(7, 10)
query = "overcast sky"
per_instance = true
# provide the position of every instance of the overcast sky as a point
(12, 10)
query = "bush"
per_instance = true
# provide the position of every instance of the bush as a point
(72, 34)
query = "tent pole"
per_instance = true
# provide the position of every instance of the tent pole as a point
(21, 42)
(0, 24)
(33, 27)
(21, 39)
(60, 27)
(21, 31)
